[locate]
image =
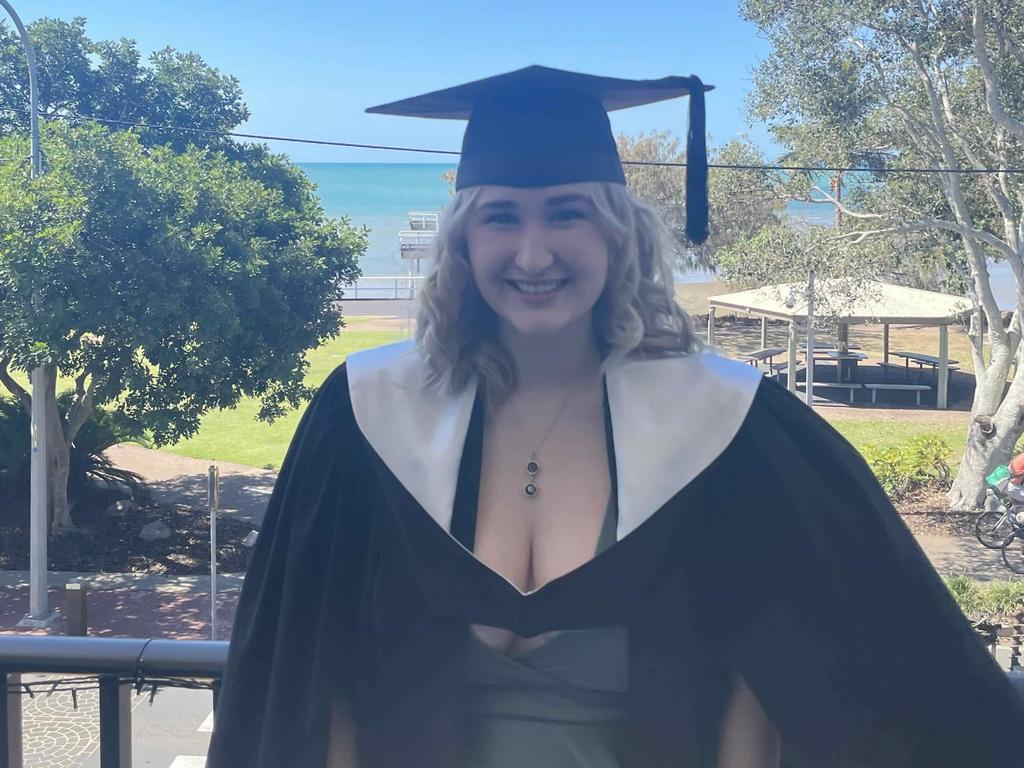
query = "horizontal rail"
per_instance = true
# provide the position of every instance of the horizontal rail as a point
(407, 284)
(117, 662)
(108, 655)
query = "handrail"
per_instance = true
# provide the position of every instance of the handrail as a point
(118, 663)
(108, 655)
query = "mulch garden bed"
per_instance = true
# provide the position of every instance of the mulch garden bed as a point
(925, 512)
(109, 542)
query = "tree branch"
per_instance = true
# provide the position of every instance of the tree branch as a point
(992, 101)
(80, 410)
(978, 235)
(14, 387)
(832, 200)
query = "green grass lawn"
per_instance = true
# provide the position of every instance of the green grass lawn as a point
(236, 436)
(888, 433)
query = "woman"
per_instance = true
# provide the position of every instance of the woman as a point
(520, 541)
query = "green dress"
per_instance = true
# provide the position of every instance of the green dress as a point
(559, 705)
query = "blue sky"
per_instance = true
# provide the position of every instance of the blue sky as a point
(309, 68)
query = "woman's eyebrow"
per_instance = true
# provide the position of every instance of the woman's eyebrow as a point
(498, 204)
(561, 199)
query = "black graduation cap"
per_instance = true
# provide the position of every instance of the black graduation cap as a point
(539, 126)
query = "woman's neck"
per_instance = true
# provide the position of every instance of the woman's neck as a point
(554, 361)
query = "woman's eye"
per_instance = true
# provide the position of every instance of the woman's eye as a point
(567, 214)
(500, 218)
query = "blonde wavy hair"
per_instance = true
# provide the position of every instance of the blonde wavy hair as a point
(635, 315)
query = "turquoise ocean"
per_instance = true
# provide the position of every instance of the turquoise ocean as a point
(381, 195)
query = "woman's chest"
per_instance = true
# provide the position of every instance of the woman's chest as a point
(539, 514)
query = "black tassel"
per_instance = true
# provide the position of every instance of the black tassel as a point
(696, 167)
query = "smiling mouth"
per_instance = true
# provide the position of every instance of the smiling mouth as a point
(536, 286)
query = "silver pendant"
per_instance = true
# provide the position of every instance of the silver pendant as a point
(532, 469)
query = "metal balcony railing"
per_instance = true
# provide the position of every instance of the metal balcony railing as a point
(384, 287)
(119, 665)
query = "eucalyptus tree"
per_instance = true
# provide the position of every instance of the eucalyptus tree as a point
(918, 84)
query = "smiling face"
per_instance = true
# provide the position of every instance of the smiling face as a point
(538, 257)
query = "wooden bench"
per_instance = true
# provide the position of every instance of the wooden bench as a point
(906, 370)
(852, 386)
(917, 389)
(782, 369)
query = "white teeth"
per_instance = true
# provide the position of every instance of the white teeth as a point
(537, 287)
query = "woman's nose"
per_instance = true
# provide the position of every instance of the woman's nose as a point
(534, 254)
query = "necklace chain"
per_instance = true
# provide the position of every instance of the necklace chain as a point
(531, 489)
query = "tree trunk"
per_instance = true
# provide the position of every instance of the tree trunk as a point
(996, 424)
(981, 456)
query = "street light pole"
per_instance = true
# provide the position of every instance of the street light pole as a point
(39, 614)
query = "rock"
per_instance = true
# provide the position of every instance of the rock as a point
(154, 531)
(121, 507)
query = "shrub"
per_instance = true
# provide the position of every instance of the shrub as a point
(917, 463)
(993, 599)
(966, 593)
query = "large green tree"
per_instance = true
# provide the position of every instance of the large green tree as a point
(164, 283)
(929, 84)
(167, 272)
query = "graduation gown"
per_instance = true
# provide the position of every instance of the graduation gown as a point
(751, 537)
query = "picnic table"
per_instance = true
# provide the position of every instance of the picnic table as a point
(846, 363)
(760, 355)
(922, 360)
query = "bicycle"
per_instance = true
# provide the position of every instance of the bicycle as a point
(992, 528)
(1003, 529)
(1012, 550)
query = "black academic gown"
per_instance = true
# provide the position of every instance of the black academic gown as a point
(751, 537)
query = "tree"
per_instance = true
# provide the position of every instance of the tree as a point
(164, 283)
(739, 200)
(930, 84)
(108, 81)
(168, 271)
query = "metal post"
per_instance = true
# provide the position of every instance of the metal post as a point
(213, 502)
(39, 613)
(942, 389)
(791, 351)
(809, 395)
(711, 326)
(764, 332)
(11, 755)
(115, 723)
(75, 610)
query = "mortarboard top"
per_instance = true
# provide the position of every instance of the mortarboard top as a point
(539, 126)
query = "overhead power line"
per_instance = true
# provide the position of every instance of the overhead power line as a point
(421, 150)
